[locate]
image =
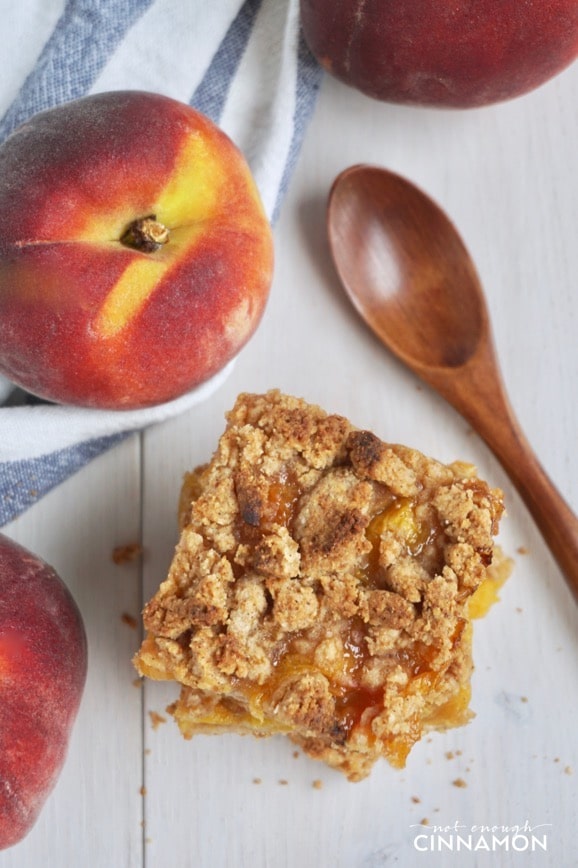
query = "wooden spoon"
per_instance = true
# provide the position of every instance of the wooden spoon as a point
(408, 273)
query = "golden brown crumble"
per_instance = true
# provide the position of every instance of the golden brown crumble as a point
(322, 587)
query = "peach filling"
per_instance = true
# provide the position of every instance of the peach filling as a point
(278, 507)
(356, 704)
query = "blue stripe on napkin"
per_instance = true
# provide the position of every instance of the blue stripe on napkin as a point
(211, 94)
(85, 36)
(22, 483)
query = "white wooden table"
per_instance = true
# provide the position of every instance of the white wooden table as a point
(132, 794)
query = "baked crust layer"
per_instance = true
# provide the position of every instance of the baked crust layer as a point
(322, 587)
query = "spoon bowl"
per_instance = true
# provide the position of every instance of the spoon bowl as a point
(379, 226)
(408, 273)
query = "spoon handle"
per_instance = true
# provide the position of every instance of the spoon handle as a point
(478, 394)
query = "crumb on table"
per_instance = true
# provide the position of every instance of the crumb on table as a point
(126, 553)
(129, 620)
(156, 719)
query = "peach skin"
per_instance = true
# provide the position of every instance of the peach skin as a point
(454, 54)
(43, 658)
(135, 255)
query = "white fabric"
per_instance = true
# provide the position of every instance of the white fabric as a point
(242, 62)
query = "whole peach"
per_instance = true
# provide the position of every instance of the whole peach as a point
(454, 53)
(135, 255)
(43, 661)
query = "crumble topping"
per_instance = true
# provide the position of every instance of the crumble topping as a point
(321, 587)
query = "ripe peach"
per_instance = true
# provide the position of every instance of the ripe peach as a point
(135, 255)
(442, 52)
(42, 674)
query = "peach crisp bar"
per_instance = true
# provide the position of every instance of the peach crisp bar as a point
(323, 587)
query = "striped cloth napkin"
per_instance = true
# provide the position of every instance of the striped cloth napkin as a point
(241, 62)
